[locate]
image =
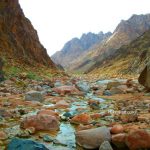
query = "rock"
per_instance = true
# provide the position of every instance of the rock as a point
(119, 140)
(30, 130)
(5, 113)
(84, 127)
(81, 119)
(40, 122)
(34, 96)
(3, 135)
(83, 86)
(23, 144)
(105, 146)
(144, 77)
(92, 138)
(107, 93)
(57, 83)
(112, 85)
(63, 90)
(62, 104)
(47, 138)
(94, 104)
(49, 112)
(117, 129)
(138, 139)
(1, 70)
(117, 90)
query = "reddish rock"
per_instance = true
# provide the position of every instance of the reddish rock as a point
(84, 127)
(62, 90)
(119, 139)
(81, 119)
(62, 104)
(138, 139)
(117, 129)
(40, 122)
(49, 112)
(3, 135)
(95, 116)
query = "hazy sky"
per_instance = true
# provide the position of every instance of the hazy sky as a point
(58, 21)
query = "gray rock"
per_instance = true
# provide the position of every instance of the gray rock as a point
(23, 144)
(93, 138)
(83, 86)
(105, 146)
(34, 96)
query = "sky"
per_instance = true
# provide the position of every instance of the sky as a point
(58, 21)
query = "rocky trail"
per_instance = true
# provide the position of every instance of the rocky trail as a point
(74, 114)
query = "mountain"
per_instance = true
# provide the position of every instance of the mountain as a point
(127, 60)
(125, 32)
(19, 42)
(76, 47)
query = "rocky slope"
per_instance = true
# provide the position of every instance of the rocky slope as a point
(125, 32)
(129, 59)
(19, 42)
(76, 47)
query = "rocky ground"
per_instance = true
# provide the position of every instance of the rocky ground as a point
(74, 114)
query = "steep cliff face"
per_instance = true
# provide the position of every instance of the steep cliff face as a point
(124, 33)
(77, 47)
(18, 39)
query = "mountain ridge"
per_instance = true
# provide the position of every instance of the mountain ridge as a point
(76, 46)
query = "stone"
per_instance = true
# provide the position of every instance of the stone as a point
(83, 86)
(119, 140)
(49, 112)
(144, 78)
(34, 96)
(138, 139)
(105, 146)
(40, 122)
(117, 90)
(92, 138)
(3, 135)
(117, 129)
(63, 90)
(62, 104)
(47, 138)
(1, 70)
(81, 119)
(112, 85)
(107, 93)
(24, 144)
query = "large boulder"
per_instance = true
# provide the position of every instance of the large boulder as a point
(105, 146)
(23, 144)
(1, 70)
(144, 77)
(93, 138)
(138, 139)
(40, 122)
(34, 96)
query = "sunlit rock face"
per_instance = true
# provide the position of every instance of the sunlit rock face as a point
(18, 38)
